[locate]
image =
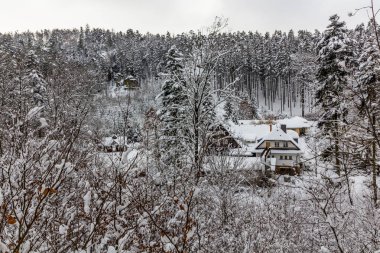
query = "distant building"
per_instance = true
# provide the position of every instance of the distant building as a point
(249, 132)
(277, 147)
(280, 151)
(131, 83)
(221, 140)
(298, 124)
(113, 144)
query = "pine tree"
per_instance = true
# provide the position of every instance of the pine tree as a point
(367, 90)
(172, 107)
(304, 62)
(334, 58)
(81, 40)
(230, 111)
(35, 79)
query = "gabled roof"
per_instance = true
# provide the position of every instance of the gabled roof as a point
(114, 141)
(219, 127)
(248, 132)
(292, 134)
(278, 135)
(295, 122)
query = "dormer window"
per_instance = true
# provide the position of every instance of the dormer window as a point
(285, 144)
(277, 144)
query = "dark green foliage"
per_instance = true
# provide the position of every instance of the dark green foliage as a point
(229, 112)
(172, 106)
(334, 59)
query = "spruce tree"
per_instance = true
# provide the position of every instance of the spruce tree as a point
(367, 88)
(230, 111)
(35, 79)
(334, 58)
(81, 40)
(172, 107)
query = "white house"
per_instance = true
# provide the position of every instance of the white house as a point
(279, 151)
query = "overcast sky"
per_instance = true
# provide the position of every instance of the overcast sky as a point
(159, 16)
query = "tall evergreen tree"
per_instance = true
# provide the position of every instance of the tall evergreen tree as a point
(35, 79)
(367, 90)
(81, 46)
(230, 111)
(172, 106)
(334, 57)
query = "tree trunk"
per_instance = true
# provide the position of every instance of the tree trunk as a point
(374, 173)
(336, 148)
(303, 100)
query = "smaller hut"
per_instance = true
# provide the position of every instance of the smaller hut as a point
(221, 140)
(113, 144)
(131, 83)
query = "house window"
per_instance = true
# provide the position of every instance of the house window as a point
(285, 144)
(286, 157)
(290, 157)
(281, 157)
(276, 144)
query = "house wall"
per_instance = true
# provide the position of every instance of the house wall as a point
(300, 131)
(283, 161)
(281, 145)
(131, 84)
(113, 148)
(285, 166)
(286, 162)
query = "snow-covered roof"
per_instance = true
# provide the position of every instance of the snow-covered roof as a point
(254, 122)
(295, 122)
(130, 77)
(239, 162)
(285, 151)
(247, 132)
(277, 135)
(292, 134)
(244, 151)
(114, 140)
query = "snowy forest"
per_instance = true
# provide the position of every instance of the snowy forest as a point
(106, 140)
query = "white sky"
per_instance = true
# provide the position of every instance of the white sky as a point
(159, 16)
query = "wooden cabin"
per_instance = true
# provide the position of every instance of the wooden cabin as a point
(130, 83)
(113, 144)
(221, 140)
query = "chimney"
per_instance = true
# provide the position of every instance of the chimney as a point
(283, 128)
(270, 126)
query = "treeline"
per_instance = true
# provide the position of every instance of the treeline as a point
(265, 67)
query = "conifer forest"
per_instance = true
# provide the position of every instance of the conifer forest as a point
(209, 140)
